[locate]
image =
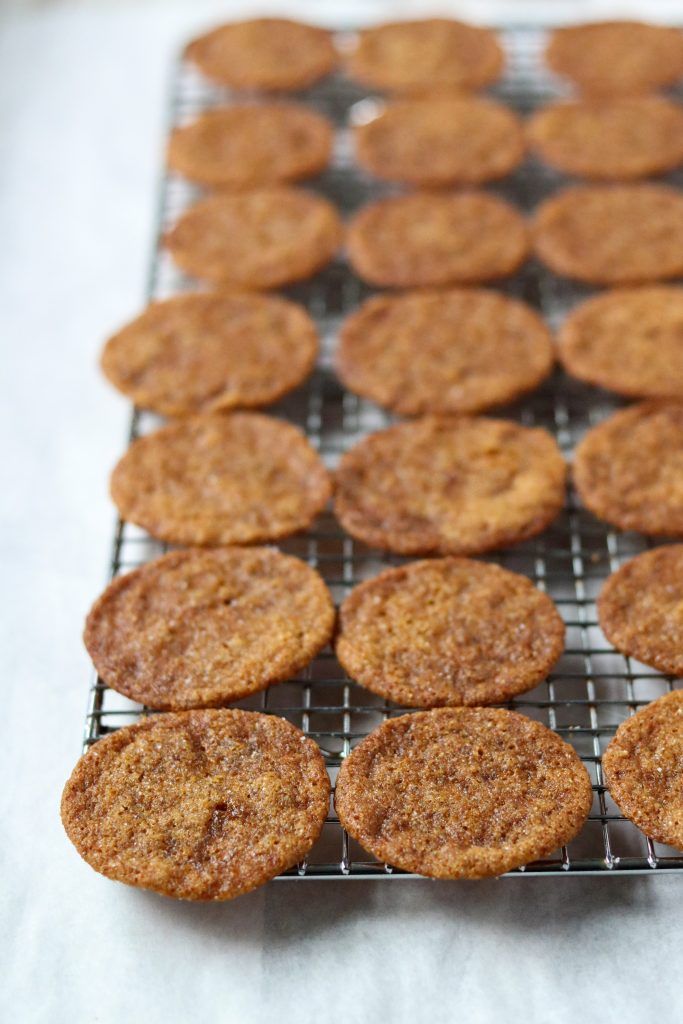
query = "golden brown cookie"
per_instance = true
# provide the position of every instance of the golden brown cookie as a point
(617, 57)
(428, 56)
(441, 141)
(212, 351)
(462, 792)
(247, 146)
(437, 239)
(198, 805)
(221, 479)
(612, 234)
(256, 240)
(640, 609)
(629, 340)
(643, 766)
(267, 54)
(201, 628)
(443, 352)
(610, 139)
(450, 486)
(448, 631)
(629, 469)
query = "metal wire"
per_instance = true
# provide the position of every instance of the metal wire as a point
(593, 688)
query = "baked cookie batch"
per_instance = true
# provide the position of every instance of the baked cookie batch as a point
(206, 802)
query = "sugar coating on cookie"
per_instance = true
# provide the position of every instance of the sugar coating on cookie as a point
(448, 631)
(629, 469)
(442, 485)
(643, 766)
(212, 351)
(217, 479)
(462, 792)
(202, 628)
(463, 350)
(197, 805)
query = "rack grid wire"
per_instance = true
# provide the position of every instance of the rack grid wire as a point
(592, 688)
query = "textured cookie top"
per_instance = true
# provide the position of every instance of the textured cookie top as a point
(629, 469)
(221, 479)
(448, 631)
(450, 486)
(462, 792)
(617, 57)
(612, 234)
(428, 56)
(430, 239)
(441, 141)
(271, 54)
(644, 769)
(202, 628)
(210, 352)
(628, 340)
(255, 240)
(246, 146)
(610, 139)
(443, 352)
(641, 608)
(199, 805)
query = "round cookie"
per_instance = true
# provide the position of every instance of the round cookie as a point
(198, 805)
(629, 469)
(255, 240)
(617, 57)
(643, 766)
(612, 139)
(448, 631)
(209, 480)
(428, 239)
(443, 352)
(247, 146)
(267, 54)
(462, 792)
(427, 56)
(640, 609)
(612, 234)
(441, 141)
(212, 351)
(450, 486)
(201, 628)
(628, 340)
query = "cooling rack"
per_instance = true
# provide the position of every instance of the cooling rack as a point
(592, 688)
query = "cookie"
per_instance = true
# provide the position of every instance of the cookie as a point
(211, 352)
(640, 609)
(450, 486)
(613, 58)
(443, 352)
(610, 139)
(629, 469)
(221, 479)
(643, 766)
(202, 628)
(247, 146)
(448, 631)
(255, 240)
(462, 792)
(428, 56)
(266, 54)
(629, 340)
(441, 141)
(612, 234)
(198, 805)
(437, 239)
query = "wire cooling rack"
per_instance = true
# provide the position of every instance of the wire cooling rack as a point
(592, 688)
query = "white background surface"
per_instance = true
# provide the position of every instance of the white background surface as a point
(81, 99)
